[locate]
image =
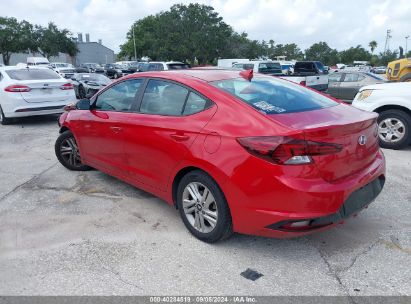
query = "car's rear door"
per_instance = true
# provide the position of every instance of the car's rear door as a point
(100, 131)
(157, 139)
(350, 86)
(334, 82)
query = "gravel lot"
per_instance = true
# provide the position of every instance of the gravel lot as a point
(86, 233)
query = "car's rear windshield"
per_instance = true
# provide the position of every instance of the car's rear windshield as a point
(32, 74)
(304, 67)
(376, 77)
(178, 66)
(269, 67)
(274, 96)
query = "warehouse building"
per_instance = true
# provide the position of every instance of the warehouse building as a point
(89, 51)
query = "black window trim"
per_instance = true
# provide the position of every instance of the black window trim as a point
(209, 103)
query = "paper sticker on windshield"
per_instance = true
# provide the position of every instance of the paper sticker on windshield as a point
(266, 107)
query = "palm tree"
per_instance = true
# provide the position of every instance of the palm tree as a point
(373, 45)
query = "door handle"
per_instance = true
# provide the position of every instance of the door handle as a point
(179, 137)
(116, 129)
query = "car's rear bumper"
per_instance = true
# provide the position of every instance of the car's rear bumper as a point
(271, 205)
(34, 109)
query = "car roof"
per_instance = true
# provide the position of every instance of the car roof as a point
(207, 75)
(14, 67)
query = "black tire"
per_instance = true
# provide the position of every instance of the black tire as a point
(3, 119)
(223, 228)
(63, 143)
(405, 119)
(115, 76)
(81, 92)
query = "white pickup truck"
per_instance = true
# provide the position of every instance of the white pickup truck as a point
(311, 74)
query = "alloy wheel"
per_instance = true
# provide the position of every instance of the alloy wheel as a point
(200, 207)
(391, 130)
(70, 153)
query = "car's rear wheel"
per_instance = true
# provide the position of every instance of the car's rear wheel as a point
(115, 75)
(67, 152)
(3, 119)
(203, 207)
(394, 129)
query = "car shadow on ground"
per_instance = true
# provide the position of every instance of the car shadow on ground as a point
(36, 120)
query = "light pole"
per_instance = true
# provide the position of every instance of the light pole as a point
(406, 45)
(134, 40)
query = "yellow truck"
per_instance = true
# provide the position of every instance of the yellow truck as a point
(399, 70)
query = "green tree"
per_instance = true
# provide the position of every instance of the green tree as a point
(15, 37)
(354, 53)
(388, 57)
(291, 51)
(322, 52)
(373, 45)
(50, 41)
(185, 32)
(193, 33)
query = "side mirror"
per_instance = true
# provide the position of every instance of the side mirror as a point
(83, 104)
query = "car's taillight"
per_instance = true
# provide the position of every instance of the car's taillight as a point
(303, 83)
(284, 150)
(17, 88)
(67, 86)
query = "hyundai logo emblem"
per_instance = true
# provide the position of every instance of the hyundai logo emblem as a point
(362, 140)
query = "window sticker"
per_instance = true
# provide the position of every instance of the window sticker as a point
(266, 107)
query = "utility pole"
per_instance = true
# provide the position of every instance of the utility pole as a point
(406, 45)
(134, 40)
(387, 47)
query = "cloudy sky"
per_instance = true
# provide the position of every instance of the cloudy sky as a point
(340, 23)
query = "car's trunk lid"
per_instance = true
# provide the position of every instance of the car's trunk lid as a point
(354, 130)
(45, 91)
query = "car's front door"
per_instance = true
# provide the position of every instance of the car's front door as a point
(101, 138)
(157, 139)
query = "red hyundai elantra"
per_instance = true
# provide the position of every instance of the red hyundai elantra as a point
(233, 152)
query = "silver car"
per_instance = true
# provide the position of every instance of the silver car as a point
(345, 85)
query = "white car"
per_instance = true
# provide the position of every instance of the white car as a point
(259, 66)
(32, 91)
(165, 66)
(66, 70)
(393, 102)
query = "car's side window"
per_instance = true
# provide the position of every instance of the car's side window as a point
(163, 98)
(351, 77)
(1, 77)
(360, 77)
(195, 103)
(336, 77)
(119, 97)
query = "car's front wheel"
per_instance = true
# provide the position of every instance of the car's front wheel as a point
(3, 119)
(203, 207)
(67, 152)
(115, 76)
(394, 129)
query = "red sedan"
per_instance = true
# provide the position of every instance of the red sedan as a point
(232, 152)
